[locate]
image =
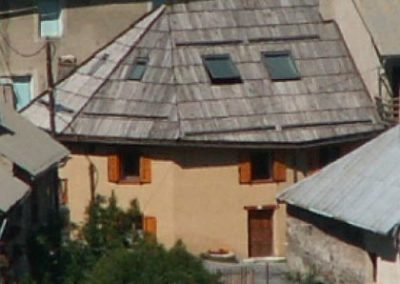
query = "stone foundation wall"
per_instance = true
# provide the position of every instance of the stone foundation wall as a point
(310, 244)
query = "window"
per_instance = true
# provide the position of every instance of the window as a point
(50, 18)
(280, 65)
(129, 167)
(262, 167)
(22, 90)
(138, 69)
(157, 3)
(321, 157)
(221, 69)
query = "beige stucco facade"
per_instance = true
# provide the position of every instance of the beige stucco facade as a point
(85, 28)
(195, 195)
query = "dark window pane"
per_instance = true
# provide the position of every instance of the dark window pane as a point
(138, 69)
(280, 66)
(157, 3)
(328, 155)
(130, 165)
(221, 68)
(261, 165)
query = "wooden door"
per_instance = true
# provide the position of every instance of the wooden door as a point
(260, 233)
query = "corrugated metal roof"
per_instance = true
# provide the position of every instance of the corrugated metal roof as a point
(382, 18)
(30, 148)
(11, 189)
(362, 188)
(176, 100)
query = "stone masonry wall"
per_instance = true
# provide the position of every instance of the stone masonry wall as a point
(312, 245)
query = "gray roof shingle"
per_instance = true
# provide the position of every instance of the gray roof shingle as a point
(175, 100)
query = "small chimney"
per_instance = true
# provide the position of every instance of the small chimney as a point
(66, 63)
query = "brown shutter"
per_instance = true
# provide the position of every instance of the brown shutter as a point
(245, 168)
(150, 225)
(313, 160)
(279, 166)
(145, 170)
(114, 168)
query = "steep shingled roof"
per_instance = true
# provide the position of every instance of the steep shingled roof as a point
(362, 188)
(176, 100)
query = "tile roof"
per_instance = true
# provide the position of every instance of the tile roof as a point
(23, 144)
(362, 188)
(176, 101)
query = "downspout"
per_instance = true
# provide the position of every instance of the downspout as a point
(50, 85)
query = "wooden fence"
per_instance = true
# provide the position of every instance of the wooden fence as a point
(239, 275)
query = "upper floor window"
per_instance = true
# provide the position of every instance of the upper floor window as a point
(129, 167)
(50, 18)
(137, 70)
(280, 65)
(22, 86)
(264, 166)
(221, 68)
(323, 156)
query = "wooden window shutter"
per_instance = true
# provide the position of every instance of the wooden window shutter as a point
(245, 169)
(114, 168)
(279, 166)
(313, 160)
(150, 225)
(145, 170)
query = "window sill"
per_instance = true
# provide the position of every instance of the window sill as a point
(258, 181)
(130, 180)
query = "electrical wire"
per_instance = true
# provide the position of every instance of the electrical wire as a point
(20, 53)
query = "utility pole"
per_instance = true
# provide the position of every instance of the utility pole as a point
(50, 86)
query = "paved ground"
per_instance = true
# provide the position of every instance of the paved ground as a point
(265, 272)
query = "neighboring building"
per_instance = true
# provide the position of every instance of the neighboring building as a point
(367, 27)
(29, 196)
(203, 111)
(345, 220)
(74, 28)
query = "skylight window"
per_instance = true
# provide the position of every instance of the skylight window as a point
(280, 65)
(138, 69)
(221, 68)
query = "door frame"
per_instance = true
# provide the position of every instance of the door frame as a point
(261, 208)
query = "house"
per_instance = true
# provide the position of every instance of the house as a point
(345, 219)
(203, 111)
(27, 25)
(29, 197)
(375, 49)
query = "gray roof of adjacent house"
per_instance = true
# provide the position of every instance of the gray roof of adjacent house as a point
(27, 146)
(382, 19)
(362, 188)
(176, 101)
(11, 189)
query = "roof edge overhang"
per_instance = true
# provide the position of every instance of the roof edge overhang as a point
(336, 218)
(217, 144)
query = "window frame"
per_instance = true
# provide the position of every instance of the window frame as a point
(16, 78)
(59, 20)
(234, 77)
(271, 54)
(139, 60)
(115, 168)
(277, 161)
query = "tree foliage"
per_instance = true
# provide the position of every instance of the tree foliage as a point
(109, 248)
